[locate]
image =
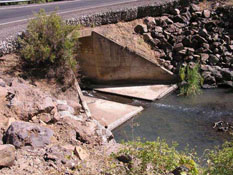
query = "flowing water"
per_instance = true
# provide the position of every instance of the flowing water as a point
(185, 120)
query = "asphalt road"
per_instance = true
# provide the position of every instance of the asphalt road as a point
(13, 14)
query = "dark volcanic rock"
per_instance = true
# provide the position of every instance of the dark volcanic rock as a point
(140, 29)
(22, 134)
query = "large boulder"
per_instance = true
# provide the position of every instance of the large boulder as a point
(27, 101)
(7, 155)
(22, 134)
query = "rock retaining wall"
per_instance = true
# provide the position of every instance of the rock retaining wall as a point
(192, 35)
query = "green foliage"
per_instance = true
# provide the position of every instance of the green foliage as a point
(153, 158)
(191, 80)
(49, 41)
(220, 161)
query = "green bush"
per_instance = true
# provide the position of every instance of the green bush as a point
(220, 161)
(191, 80)
(155, 158)
(49, 41)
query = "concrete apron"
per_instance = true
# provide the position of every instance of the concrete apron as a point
(145, 92)
(111, 114)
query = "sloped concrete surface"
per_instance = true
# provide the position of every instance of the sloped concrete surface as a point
(111, 114)
(148, 92)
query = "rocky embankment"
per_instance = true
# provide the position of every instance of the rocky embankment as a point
(192, 35)
(43, 128)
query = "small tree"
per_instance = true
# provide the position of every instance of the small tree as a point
(191, 80)
(49, 41)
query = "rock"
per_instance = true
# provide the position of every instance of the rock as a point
(27, 100)
(177, 47)
(45, 117)
(187, 42)
(163, 21)
(230, 47)
(2, 83)
(206, 13)
(157, 35)
(216, 73)
(148, 39)
(228, 83)
(180, 170)
(203, 32)
(7, 155)
(22, 134)
(206, 46)
(75, 105)
(194, 8)
(227, 74)
(200, 39)
(175, 12)
(87, 132)
(64, 107)
(124, 158)
(140, 29)
(172, 28)
(227, 39)
(158, 29)
(61, 155)
(165, 46)
(81, 153)
(179, 19)
(210, 25)
(208, 78)
(150, 22)
(213, 60)
(204, 57)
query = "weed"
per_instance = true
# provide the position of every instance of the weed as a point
(220, 161)
(191, 80)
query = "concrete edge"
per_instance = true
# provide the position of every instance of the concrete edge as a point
(163, 94)
(168, 91)
(124, 119)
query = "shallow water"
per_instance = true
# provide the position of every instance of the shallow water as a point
(185, 120)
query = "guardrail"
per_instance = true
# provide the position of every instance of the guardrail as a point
(9, 1)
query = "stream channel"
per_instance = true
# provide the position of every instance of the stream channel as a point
(185, 120)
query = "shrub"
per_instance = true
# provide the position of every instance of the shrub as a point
(49, 41)
(153, 158)
(191, 80)
(220, 161)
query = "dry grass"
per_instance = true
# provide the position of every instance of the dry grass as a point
(123, 34)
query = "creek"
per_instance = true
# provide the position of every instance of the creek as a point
(187, 121)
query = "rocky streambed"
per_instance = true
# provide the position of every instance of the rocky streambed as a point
(192, 35)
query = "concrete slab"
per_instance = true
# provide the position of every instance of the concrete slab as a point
(148, 92)
(111, 114)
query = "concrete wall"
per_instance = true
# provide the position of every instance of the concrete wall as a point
(102, 61)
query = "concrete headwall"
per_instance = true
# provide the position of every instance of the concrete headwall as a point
(103, 60)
